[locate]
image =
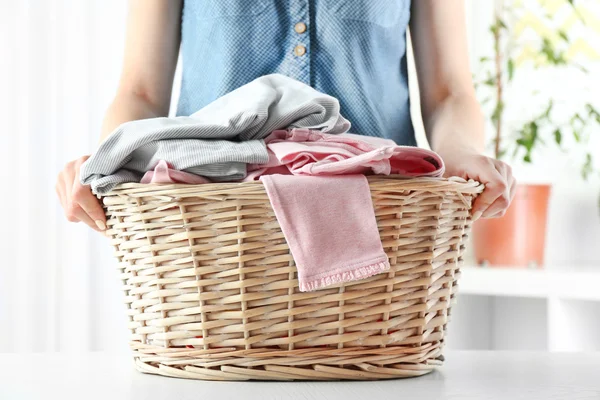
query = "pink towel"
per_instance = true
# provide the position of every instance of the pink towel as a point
(330, 227)
(163, 173)
(306, 152)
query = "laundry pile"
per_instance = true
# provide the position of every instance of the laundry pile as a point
(294, 140)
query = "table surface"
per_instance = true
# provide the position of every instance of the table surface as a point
(466, 375)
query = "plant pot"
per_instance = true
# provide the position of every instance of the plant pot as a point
(517, 239)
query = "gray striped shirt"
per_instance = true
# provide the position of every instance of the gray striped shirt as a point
(217, 141)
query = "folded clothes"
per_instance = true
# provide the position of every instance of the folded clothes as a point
(330, 227)
(217, 141)
(309, 152)
(163, 173)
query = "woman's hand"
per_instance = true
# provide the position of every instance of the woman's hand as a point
(453, 121)
(77, 200)
(496, 175)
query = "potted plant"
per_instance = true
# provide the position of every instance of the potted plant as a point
(518, 238)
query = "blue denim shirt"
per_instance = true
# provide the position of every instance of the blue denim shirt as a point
(354, 50)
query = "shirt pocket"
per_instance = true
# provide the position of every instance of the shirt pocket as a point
(213, 9)
(385, 13)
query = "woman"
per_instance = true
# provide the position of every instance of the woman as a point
(354, 50)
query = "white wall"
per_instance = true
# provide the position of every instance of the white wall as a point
(498, 323)
(59, 69)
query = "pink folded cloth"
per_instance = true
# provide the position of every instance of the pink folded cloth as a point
(306, 152)
(330, 227)
(328, 221)
(163, 173)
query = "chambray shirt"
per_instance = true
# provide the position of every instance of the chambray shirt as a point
(354, 50)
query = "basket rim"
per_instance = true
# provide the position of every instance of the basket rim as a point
(431, 184)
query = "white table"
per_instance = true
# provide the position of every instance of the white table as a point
(466, 375)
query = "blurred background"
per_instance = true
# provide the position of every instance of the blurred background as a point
(537, 68)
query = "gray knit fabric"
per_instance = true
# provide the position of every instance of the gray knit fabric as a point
(217, 141)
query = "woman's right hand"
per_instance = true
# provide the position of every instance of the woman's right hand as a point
(77, 200)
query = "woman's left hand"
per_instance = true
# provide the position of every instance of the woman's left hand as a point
(494, 174)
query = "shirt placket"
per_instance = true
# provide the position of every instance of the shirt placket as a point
(300, 44)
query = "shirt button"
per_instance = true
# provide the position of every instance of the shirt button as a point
(300, 27)
(299, 50)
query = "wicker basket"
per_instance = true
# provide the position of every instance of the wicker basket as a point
(212, 292)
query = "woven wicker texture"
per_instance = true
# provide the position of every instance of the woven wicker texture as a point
(212, 293)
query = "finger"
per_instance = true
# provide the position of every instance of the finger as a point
(502, 202)
(497, 208)
(512, 191)
(504, 169)
(513, 188)
(499, 205)
(78, 214)
(83, 196)
(495, 187)
(67, 179)
(69, 207)
(90, 205)
(60, 192)
(506, 172)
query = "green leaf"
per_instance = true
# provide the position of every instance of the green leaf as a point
(548, 110)
(497, 111)
(558, 136)
(577, 135)
(523, 142)
(552, 56)
(576, 118)
(484, 59)
(498, 24)
(511, 69)
(590, 108)
(592, 112)
(533, 126)
(563, 35)
(587, 168)
(572, 3)
(528, 138)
